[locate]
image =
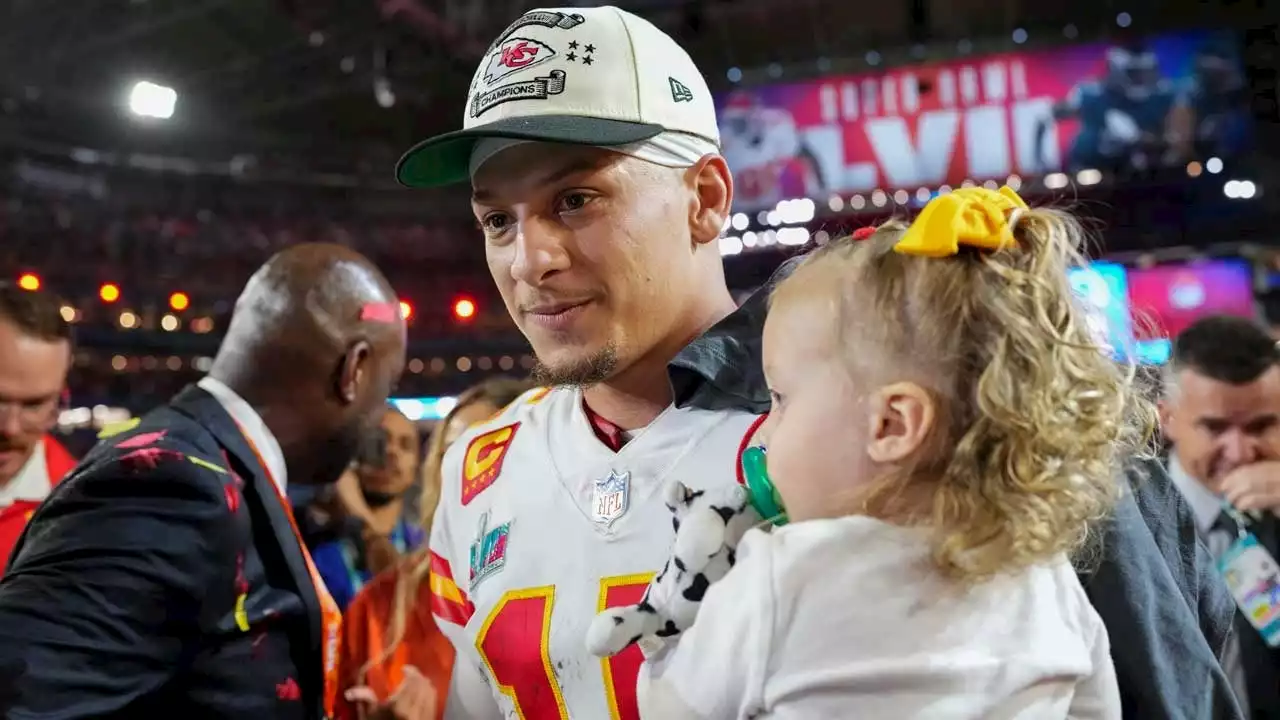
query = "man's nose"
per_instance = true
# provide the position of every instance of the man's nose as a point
(10, 425)
(1239, 448)
(540, 251)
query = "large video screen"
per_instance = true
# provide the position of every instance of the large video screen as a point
(1167, 298)
(1103, 287)
(1135, 311)
(1100, 106)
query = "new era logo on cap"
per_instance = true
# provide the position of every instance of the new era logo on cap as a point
(592, 76)
(679, 92)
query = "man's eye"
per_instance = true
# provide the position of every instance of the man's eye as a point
(495, 222)
(571, 202)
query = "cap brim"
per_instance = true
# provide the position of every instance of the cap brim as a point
(446, 159)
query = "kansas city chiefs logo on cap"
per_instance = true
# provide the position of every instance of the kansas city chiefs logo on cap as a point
(514, 54)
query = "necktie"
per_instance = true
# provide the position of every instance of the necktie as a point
(1227, 524)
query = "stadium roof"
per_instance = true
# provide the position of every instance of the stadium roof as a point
(304, 75)
(302, 78)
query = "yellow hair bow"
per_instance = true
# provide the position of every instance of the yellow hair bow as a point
(974, 217)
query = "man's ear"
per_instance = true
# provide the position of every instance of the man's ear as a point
(712, 186)
(902, 417)
(353, 370)
(1166, 410)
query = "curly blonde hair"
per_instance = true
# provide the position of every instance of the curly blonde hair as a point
(1036, 419)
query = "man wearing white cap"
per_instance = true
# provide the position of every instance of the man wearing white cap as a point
(591, 144)
(590, 141)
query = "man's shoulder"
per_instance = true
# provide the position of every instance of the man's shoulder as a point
(476, 458)
(163, 441)
(1165, 609)
(532, 407)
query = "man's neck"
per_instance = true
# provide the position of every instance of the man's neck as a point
(7, 480)
(384, 519)
(280, 418)
(632, 398)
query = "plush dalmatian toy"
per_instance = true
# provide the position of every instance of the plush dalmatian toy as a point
(708, 525)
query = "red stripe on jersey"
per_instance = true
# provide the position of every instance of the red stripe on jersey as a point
(448, 602)
(746, 443)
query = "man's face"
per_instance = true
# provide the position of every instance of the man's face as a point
(1217, 427)
(402, 452)
(33, 373)
(591, 251)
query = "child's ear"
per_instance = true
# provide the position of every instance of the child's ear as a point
(902, 416)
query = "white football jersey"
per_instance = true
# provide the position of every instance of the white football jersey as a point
(540, 527)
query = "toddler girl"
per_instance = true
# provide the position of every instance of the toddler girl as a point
(945, 433)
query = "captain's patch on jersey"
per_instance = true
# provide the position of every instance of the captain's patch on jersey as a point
(489, 551)
(483, 461)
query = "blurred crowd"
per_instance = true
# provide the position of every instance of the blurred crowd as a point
(156, 246)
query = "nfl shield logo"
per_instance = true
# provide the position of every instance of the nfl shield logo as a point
(611, 497)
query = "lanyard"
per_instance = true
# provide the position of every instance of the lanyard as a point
(330, 614)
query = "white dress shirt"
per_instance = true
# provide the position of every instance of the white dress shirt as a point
(31, 484)
(254, 429)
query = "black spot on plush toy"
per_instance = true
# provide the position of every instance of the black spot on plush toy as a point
(709, 524)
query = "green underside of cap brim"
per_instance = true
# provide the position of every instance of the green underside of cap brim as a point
(446, 159)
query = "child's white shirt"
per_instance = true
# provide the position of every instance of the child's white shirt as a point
(847, 618)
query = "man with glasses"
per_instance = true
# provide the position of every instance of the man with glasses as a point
(35, 355)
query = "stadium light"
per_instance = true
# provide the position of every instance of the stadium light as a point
(464, 308)
(109, 292)
(148, 99)
(1239, 189)
(29, 281)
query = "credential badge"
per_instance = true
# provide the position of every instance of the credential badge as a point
(611, 497)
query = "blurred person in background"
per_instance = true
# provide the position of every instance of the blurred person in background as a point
(602, 195)
(372, 493)
(388, 629)
(35, 356)
(164, 576)
(1122, 114)
(1221, 414)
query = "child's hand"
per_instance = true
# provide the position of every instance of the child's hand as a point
(709, 524)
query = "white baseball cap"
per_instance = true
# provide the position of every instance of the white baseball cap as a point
(586, 76)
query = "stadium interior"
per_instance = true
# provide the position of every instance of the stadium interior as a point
(155, 152)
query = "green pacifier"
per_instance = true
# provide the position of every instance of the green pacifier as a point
(760, 490)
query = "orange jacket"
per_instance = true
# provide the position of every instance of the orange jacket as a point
(365, 628)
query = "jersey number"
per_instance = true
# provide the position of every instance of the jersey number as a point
(514, 644)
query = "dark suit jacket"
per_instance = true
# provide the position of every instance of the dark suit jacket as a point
(121, 597)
